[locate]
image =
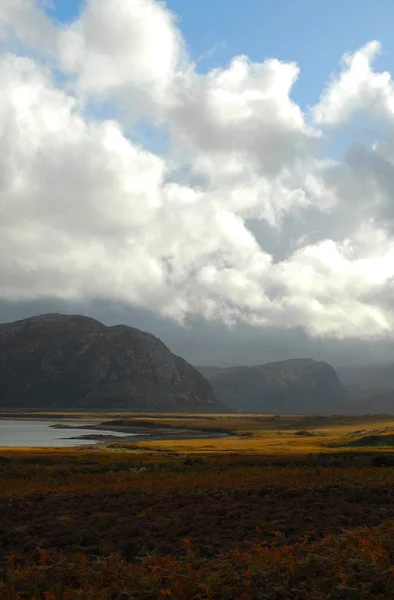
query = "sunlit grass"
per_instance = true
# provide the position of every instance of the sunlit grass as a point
(260, 434)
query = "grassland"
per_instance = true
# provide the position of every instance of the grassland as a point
(270, 435)
(283, 508)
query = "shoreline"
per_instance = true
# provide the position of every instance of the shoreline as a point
(95, 434)
(138, 434)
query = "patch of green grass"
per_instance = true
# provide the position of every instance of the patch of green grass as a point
(367, 441)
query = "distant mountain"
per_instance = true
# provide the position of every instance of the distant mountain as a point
(58, 361)
(376, 404)
(368, 376)
(371, 387)
(290, 386)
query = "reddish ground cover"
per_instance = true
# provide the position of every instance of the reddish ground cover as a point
(87, 526)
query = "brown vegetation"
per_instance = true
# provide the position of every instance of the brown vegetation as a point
(130, 523)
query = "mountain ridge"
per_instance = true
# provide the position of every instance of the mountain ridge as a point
(289, 386)
(72, 361)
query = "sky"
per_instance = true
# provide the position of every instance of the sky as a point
(315, 35)
(220, 174)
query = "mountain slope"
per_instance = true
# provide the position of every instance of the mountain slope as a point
(290, 386)
(61, 361)
(368, 375)
(377, 404)
(371, 387)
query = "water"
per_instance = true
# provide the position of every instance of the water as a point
(39, 433)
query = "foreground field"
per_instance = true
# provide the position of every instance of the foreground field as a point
(146, 523)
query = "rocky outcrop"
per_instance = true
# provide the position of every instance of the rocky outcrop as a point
(59, 361)
(289, 386)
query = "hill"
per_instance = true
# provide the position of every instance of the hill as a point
(290, 386)
(58, 361)
(371, 388)
(378, 403)
(368, 376)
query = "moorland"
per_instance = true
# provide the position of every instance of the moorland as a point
(282, 508)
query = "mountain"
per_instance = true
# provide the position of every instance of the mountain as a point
(289, 386)
(368, 377)
(371, 387)
(58, 361)
(376, 404)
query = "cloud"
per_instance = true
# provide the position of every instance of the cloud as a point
(240, 108)
(26, 21)
(357, 88)
(120, 47)
(73, 193)
(243, 221)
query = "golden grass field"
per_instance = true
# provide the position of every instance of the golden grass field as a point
(262, 434)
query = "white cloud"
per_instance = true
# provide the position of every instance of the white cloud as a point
(330, 281)
(118, 45)
(26, 21)
(357, 88)
(244, 109)
(87, 213)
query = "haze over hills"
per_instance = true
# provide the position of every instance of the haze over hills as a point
(371, 387)
(290, 386)
(380, 376)
(374, 403)
(58, 361)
